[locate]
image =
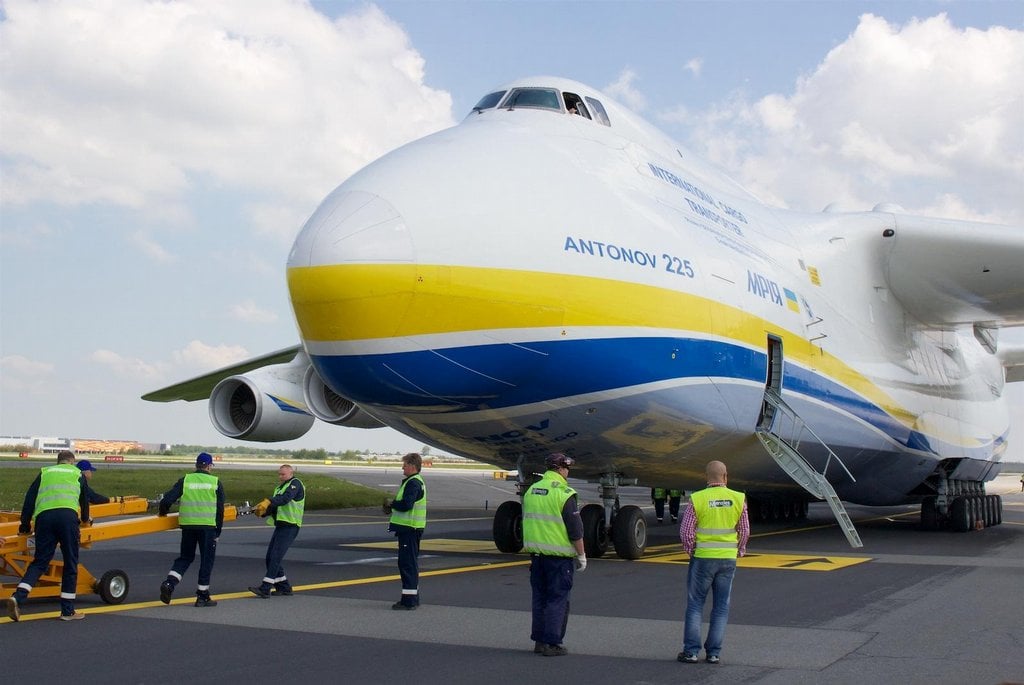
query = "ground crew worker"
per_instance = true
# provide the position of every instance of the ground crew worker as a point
(553, 535)
(714, 532)
(87, 469)
(56, 500)
(408, 519)
(658, 496)
(284, 511)
(201, 518)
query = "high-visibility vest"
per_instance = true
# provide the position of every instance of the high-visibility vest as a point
(417, 516)
(198, 500)
(675, 493)
(59, 488)
(543, 528)
(290, 512)
(718, 510)
(658, 493)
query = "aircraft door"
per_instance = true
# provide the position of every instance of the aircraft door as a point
(772, 384)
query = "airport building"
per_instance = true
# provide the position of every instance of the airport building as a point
(50, 445)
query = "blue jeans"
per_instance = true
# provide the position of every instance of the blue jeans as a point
(280, 541)
(707, 574)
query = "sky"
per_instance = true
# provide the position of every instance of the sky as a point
(158, 158)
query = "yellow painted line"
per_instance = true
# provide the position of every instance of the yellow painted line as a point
(298, 588)
(435, 545)
(795, 562)
(376, 522)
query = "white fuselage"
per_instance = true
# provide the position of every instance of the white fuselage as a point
(532, 281)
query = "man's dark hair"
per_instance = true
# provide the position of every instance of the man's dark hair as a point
(65, 457)
(415, 459)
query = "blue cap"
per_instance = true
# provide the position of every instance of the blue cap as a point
(204, 459)
(84, 465)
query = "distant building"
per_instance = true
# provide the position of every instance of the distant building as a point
(48, 445)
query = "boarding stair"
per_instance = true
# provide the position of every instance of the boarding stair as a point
(779, 420)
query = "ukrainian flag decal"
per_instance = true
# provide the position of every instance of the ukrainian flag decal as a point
(791, 301)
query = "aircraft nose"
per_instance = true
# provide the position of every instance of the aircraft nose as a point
(352, 226)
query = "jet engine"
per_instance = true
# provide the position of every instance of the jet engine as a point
(329, 406)
(264, 405)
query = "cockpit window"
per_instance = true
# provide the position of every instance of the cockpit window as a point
(598, 109)
(490, 100)
(543, 98)
(574, 105)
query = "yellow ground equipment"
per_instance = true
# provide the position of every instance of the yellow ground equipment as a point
(112, 587)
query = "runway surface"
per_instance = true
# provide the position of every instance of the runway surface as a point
(909, 607)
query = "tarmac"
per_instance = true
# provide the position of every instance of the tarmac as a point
(908, 607)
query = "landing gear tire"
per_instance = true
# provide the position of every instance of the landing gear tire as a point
(113, 586)
(595, 535)
(929, 514)
(999, 508)
(508, 527)
(629, 532)
(960, 515)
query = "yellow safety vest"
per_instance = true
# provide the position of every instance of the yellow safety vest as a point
(292, 511)
(718, 510)
(543, 528)
(59, 488)
(198, 500)
(417, 516)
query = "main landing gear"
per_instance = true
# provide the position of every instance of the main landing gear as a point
(961, 506)
(604, 525)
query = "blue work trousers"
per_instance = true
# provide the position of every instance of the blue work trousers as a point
(55, 527)
(714, 575)
(551, 581)
(280, 541)
(409, 563)
(206, 540)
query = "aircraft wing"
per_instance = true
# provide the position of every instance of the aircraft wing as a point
(200, 387)
(948, 273)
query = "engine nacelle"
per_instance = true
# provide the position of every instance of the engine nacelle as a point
(264, 405)
(329, 406)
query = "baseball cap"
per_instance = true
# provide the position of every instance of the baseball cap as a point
(85, 465)
(204, 459)
(558, 460)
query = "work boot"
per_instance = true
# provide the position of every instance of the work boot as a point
(205, 601)
(13, 612)
(282, 589)
(166, 590)
(399, 606)
(538, 647)
(260, 591)
(72, 617)
(554, 650)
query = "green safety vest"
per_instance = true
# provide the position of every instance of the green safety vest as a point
(675, 493)
(59, 488)
(198, 500)
(718, 510)
(543, 528)
(417, 516)
(290, 512)
(659, 493)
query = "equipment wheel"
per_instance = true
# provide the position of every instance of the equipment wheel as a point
(629, 532)
(595, 534)
(960, 515)
(999, 508)
(113, 586)
(507, 529)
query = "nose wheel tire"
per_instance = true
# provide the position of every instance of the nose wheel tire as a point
(113, 586)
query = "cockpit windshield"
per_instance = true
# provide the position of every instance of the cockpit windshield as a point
(490, 100)
(542, 98)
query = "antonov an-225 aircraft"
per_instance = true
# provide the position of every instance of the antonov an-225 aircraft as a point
(554, 274)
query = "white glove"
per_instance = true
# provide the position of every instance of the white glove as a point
(581, 562)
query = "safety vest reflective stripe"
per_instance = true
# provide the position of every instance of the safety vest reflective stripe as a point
(198, 500)
(417, 516)
(718, 511)
(59, 488)
(543, 528)
(292, 511)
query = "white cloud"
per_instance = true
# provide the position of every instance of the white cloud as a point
(133, 103)
(128, 367)
(202, 357)
(926, 115)
(249, 312)
(149, 247)
(694, 66)
(625, 92)
(18, 365)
